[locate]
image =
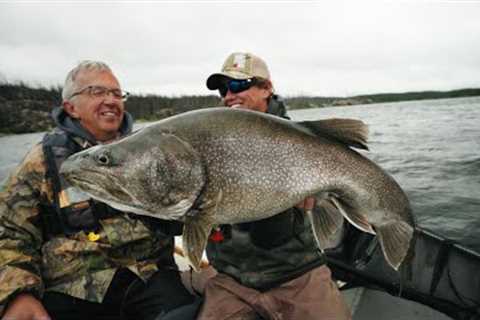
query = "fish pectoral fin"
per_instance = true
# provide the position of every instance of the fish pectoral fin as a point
(395, 239)
(353, 216)
(351, 132)
(196, 231)
(326, 221)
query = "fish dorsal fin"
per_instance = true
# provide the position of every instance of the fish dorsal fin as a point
(352, 132)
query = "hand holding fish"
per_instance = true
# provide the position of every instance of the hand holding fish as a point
(307, 204)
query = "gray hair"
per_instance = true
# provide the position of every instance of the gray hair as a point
(86, 65)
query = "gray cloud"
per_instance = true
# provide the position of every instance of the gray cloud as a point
(312, 48)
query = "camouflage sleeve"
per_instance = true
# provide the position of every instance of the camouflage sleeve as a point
(20, 233)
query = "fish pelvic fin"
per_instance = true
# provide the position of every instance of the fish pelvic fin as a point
(351, 132)
(196, 230)
(395, 239)
(353, 215)
(395, 236)
(326, 221)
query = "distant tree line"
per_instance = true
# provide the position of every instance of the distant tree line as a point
(318, 102)
(152, 107)
(420, 95)
(27, 109)
(24, 108)
(147, 107)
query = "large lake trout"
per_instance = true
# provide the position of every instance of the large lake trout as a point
(225, 166)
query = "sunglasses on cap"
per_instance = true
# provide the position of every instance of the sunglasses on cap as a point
(236, 86)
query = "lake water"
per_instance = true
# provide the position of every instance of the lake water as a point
(431, 147)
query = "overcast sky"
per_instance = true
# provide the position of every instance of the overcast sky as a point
(317, 48)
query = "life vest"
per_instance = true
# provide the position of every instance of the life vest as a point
(71, 211)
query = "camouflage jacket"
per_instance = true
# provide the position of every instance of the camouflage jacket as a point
(80, 264)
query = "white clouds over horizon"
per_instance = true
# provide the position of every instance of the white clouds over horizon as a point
(319, 48)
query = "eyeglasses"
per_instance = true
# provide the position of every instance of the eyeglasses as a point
(236, 86)
(100, 92)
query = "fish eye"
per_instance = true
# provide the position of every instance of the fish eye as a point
(103, 159)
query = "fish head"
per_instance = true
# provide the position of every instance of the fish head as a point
(147, 173)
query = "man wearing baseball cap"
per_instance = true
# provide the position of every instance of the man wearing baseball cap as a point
(271, 268)
(244, 82)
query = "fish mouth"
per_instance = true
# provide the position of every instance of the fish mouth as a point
(111, 191)
(107, 190)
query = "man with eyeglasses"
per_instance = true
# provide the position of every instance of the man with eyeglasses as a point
(271, 268)
(66, 256)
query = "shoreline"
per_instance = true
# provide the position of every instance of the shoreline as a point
(27, 110)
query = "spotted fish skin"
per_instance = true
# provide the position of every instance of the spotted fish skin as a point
(225, 166)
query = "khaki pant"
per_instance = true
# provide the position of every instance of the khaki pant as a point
(312, 296)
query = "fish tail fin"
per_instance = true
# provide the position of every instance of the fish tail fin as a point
(395, 239)
(326, 222)
(348, 131)
(195, 236)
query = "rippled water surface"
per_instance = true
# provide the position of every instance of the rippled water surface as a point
(432, 148)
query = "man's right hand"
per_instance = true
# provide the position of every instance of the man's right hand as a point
(307, 204)
(25, 307)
